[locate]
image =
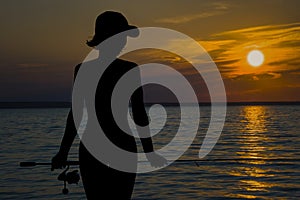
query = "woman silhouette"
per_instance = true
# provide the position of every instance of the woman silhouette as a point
(99, 179)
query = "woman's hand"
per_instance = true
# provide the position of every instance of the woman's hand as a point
(59, 161)
(156, 160)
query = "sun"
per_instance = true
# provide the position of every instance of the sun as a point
(255, 58)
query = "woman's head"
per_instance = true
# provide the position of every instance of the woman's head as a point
(108, 24)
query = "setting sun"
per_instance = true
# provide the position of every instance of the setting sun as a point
(255, 58)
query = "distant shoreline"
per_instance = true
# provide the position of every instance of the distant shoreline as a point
(8, 105)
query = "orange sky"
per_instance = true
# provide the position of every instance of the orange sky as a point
(42, 41)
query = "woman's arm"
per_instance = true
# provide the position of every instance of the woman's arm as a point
(139, 113)
(59, 160)
(69, 135)
(140, 117)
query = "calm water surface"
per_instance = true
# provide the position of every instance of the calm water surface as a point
(256, 157)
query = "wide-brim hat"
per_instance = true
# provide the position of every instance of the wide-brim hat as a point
(108, 24)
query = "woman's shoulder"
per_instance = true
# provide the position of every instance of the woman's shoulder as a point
(77, 67)
(126, 63)
(118, 61)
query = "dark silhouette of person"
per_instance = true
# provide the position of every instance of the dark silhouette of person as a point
(101, 181)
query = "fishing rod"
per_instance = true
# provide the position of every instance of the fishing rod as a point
(73, 177)
(69, 163)
(33, 164)
(237, 159)
(67, 177)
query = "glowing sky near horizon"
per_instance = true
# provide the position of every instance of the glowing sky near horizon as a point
(42, 42)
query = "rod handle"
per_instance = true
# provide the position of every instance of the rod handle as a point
(27, 164)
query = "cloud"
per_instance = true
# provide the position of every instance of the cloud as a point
(255, 78)
(221, 5)
(188, 18)
(276, 79)
(274, 75)
(279, 43)
(214, 9)
(32, 65)
(293, 85)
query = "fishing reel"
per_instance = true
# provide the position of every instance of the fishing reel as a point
(68, 177)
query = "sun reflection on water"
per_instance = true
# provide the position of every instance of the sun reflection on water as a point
(253, 153)
(255, 118)
(253, 135)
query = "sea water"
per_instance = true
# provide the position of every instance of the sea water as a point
(256, 157)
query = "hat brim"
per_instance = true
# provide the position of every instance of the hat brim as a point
(133, 31)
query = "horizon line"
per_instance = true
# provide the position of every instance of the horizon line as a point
(67, 104)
